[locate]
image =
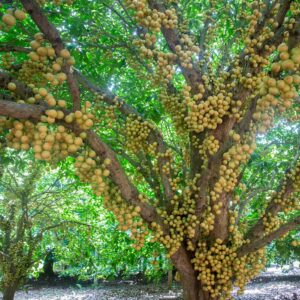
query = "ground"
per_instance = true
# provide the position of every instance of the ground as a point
(283, 290)
(271, 285)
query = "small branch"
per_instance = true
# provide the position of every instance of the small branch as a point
(262, 242)
(272, 209)
(21, 89)
(10, 48)
(125, 10)
(3, 255)
(118, 14)
(192, 76)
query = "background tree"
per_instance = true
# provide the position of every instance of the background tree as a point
(32, 198)
(168, 142)
(100, 251)
(48, 217)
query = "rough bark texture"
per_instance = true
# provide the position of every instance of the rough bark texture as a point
(263, 241)
(192, 289)
(9, 292)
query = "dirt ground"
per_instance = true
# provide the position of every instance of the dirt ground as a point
(278, 290)
(274, 284)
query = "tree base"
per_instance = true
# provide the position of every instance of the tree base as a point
(9, 293)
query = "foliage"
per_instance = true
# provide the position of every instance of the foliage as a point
(33, 197)
(182, 116)
(64, 216)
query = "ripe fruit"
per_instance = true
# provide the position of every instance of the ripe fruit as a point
(9, 20)
(64, 53)
(19, 14)
(43, 92)
(12, 86)
(61, 103)
(56, 67)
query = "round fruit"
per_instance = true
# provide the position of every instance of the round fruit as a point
(9, 20)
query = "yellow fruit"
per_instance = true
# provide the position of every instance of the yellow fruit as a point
(78, 114)
(56, 67)
(50, 76)
(276, 67)
(51, 101)
(39, 37)
(60, 115)
(46, 155)
(61, 103)
(42, 51)
(33, 56)
(61, 76)
(51, 113)
(284, 55)
(72, 148)
(50, 52)
(296, 79)
(89, 123)
(64, 53)
(71, 61)
(83, 135)
(78, 141)
(9, 20)
(43, 92)
(35, 45)
(20, 15)
(296, 58)
(106, 173)
(283, 47)
(288, 64)
(31, 100)
(12, 86)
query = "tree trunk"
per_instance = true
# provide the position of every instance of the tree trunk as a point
(170, 279)
(48, 272)
(192, 289)
(9, 292)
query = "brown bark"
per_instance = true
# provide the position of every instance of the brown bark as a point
(172, 37)
(9, 292)
(13, 48)
(192, 289)
(273, 208)
(170, 279)
(263, 241)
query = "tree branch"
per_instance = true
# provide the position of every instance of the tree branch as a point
(11, 48)
(273, 208)
(53, 36)
(117, 175)
(262, 242)
(193, 75)
(21, 89)
(127, 110)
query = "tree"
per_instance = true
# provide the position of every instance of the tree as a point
(189, 87)
(31, 200)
